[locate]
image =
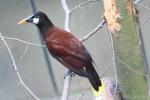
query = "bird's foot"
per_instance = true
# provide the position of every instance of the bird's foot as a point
(69, 73)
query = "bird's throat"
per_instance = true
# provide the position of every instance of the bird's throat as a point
(44, 27)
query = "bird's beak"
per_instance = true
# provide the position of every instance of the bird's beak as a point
(26, 20)
(23, 21)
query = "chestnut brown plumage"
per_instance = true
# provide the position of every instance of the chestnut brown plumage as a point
(67, 49)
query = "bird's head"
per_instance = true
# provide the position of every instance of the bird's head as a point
(40, 19)
(35, 19)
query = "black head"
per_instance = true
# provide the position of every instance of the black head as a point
(40, 19)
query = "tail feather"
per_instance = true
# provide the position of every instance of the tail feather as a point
(94, 80)
(97, 85)
(93, 77)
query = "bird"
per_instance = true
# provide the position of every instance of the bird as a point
(66, 49)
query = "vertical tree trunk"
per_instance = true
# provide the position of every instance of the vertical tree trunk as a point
(128, 54)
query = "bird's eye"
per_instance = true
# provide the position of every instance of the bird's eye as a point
(37, 17)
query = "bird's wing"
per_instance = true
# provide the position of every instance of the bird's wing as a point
(71, 52)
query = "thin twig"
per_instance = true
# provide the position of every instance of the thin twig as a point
(27, 47)
(130, 68)
(84, 93)
(25, 42)
(145, 20)
(95, 29)
(137, 1)
(82, 4)
(114, 60)
(139, 4)
(15, 68)
(106, 68)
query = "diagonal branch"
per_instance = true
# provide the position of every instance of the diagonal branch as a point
(26, 50)
(93, 31)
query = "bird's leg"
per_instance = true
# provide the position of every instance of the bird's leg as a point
(69, 72)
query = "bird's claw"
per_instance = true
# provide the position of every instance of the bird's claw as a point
(69, 73)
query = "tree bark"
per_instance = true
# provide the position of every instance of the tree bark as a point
(129, 60)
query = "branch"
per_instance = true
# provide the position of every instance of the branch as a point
(27, 47)
(93, 31)
(67, 80)
(15, 68)
(68, 12)
(25, 42)
(106, 68)
(145, 20)
(137, 1)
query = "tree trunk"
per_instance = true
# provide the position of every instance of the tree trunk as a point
(129, 60)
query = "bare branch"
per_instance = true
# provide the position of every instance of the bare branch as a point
(106, 68)
(15, 68)
(66, 88)
(145, 20)
(25, 42)
(67, 80)
(137, 1)
(67, 13)
(114, 60)
(27, 47)
(93, 31)
(29, 43)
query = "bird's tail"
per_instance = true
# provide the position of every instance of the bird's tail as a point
(96, 83)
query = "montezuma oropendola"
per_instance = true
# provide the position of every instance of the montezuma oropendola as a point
(67, 49)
